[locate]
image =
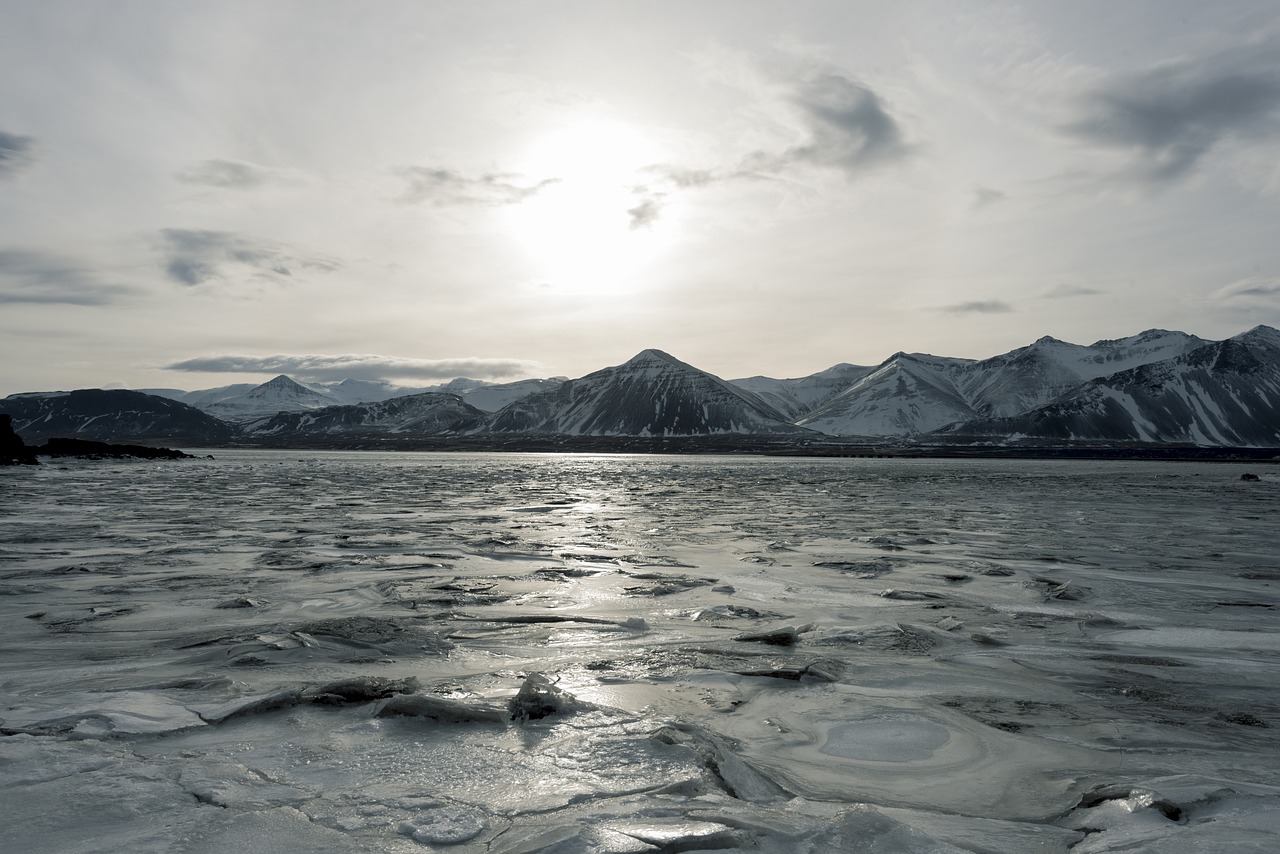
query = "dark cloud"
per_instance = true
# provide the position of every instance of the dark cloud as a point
(16, 153)
(849, 127)
(1069, 291)
(231, 174)
(448, 187)
(1169, 117)
(39, 277)
(1250, 289)
(990, 306)
(357, 366)
(193, 257)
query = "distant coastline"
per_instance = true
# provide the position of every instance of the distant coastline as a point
(764, 446)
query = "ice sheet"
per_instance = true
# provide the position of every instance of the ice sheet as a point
(524, 653)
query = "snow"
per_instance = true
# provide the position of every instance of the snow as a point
(550, 653)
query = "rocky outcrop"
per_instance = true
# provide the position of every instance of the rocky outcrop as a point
(13, 451)
(59, 447)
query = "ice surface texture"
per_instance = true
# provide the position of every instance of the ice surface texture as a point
(512, 654)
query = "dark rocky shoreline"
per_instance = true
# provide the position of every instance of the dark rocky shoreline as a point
(14, 451)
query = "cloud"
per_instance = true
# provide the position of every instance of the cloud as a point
(646, 213)
(991, 306)
(1252, 288)
(42, 278)
(850, 128)
(194, 257)
(234, 174)
(986, 196)
(1169, 117)
(448, 187)
(358, 366)
(1068, 291)
(16, 153)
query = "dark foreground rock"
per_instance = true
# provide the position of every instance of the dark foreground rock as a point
(13, 451)
(103, 450)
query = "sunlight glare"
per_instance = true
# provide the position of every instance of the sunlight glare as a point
(599, 221)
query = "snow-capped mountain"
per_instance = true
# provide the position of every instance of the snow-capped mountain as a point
(800, 396)
(426, 414)
(909, 393)
(1157, 386)
(913, 393)
(280, 394)
(113, 415)
(653, 394)
(1219, 393)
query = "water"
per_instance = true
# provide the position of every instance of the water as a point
(273, 650)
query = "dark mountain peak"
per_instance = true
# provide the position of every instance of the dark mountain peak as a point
(653, 357)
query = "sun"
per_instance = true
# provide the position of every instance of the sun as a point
(600, 215)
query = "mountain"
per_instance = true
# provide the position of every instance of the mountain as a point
(797, 397)
(280, 394)
(909, 393)
(112, 415)
(353, 391)
(203, 396)
(426, 414)
(1219, 393)
(1041, 372)
(653, 394)
(1157, 386)
(491, 398)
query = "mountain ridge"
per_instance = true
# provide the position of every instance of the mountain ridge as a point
(1156, 386)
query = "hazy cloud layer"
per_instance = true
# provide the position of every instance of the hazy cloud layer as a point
(449, 187)
(1069, 291)
(358, 366)
(193, 257)
(42, 278)
(234, 174)
(1169, 117)
(1252, 288)
(990, 306)
(16, 153)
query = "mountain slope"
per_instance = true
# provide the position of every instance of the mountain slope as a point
(491, 398)
(909, 393)
(112, 415)
(912, 394)
(795, 398)
(653, 394)
(1032, 376)
(426, 414)
(1220, 393)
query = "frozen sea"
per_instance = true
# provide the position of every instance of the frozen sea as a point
(507, 653)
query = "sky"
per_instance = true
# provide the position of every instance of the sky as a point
(202, 193)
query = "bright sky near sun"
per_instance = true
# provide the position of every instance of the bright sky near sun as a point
(199, 193)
